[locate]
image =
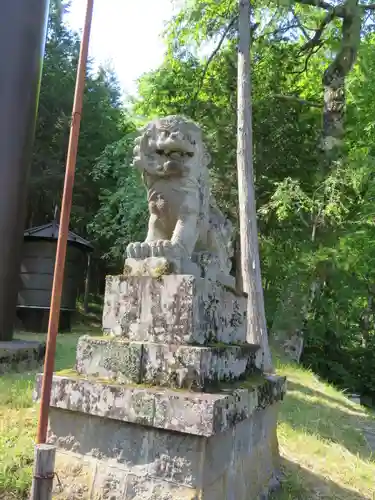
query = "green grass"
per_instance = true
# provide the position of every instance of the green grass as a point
(324, 452)
(18, 415)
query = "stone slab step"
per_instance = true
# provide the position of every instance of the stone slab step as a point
(202, 414)
(170, 365)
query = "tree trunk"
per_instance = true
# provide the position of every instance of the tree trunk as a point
(334, 81)
(250, 263)
(237, 256)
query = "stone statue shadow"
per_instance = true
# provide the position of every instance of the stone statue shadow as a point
(300, 483)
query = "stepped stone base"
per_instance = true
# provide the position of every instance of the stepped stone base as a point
(126, 442)
(169, 404)
(171, 365)
(21, 355)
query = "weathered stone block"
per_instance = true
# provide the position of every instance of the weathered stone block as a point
(76, 474)
(145, 488)
(118, 460)
(269, 391)
(170, 365)
(196, 413)
(110, 358)
(195, 367)
(178, 309)
(21, 355)
(174, 457)
(142, 450)
(105, 400)
(109, 483)
(101, 438)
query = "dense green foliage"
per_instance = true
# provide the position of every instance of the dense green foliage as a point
(123, 213)
(315, 210)
(102, 124)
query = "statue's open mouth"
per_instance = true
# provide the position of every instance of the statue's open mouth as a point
(172, 162)
(175, 147)
(174, 154)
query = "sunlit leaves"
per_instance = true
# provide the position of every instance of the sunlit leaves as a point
(102, 123)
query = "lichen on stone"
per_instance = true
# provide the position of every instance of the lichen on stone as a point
(127, 270)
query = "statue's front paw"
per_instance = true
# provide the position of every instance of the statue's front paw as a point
(161, 248)
(158, 248)
(138, 250)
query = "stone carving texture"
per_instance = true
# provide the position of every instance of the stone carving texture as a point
(184, 217)
(164, 365)
(124, 461)
(177, 309)
(201, 414)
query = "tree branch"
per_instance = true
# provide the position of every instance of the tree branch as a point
(213, 54)
(278, 31)
(315, 40)
(300, 25)
(322, 4)
(303, 220)
(313, 51)
(339, 10)
(299, 100)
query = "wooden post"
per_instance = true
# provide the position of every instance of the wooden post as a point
(44, 472)
(250, 262)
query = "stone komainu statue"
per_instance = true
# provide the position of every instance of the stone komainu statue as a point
(184, 219)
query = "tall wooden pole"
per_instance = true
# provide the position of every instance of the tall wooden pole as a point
(250, 263)
(66, 206)
(23, 26)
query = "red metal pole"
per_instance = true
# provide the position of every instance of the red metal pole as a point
(66, 206)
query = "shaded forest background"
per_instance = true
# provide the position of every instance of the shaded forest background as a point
(313, 87)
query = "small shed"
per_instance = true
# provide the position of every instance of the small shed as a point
(36, 276)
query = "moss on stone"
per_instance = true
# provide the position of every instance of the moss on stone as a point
(159, 271)
(67, 372)
(224, 344)
(251, 382)
(109, 338)
(71, 373)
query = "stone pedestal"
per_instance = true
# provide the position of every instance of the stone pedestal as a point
(173, 308)
(21, 355)
(170, 404)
